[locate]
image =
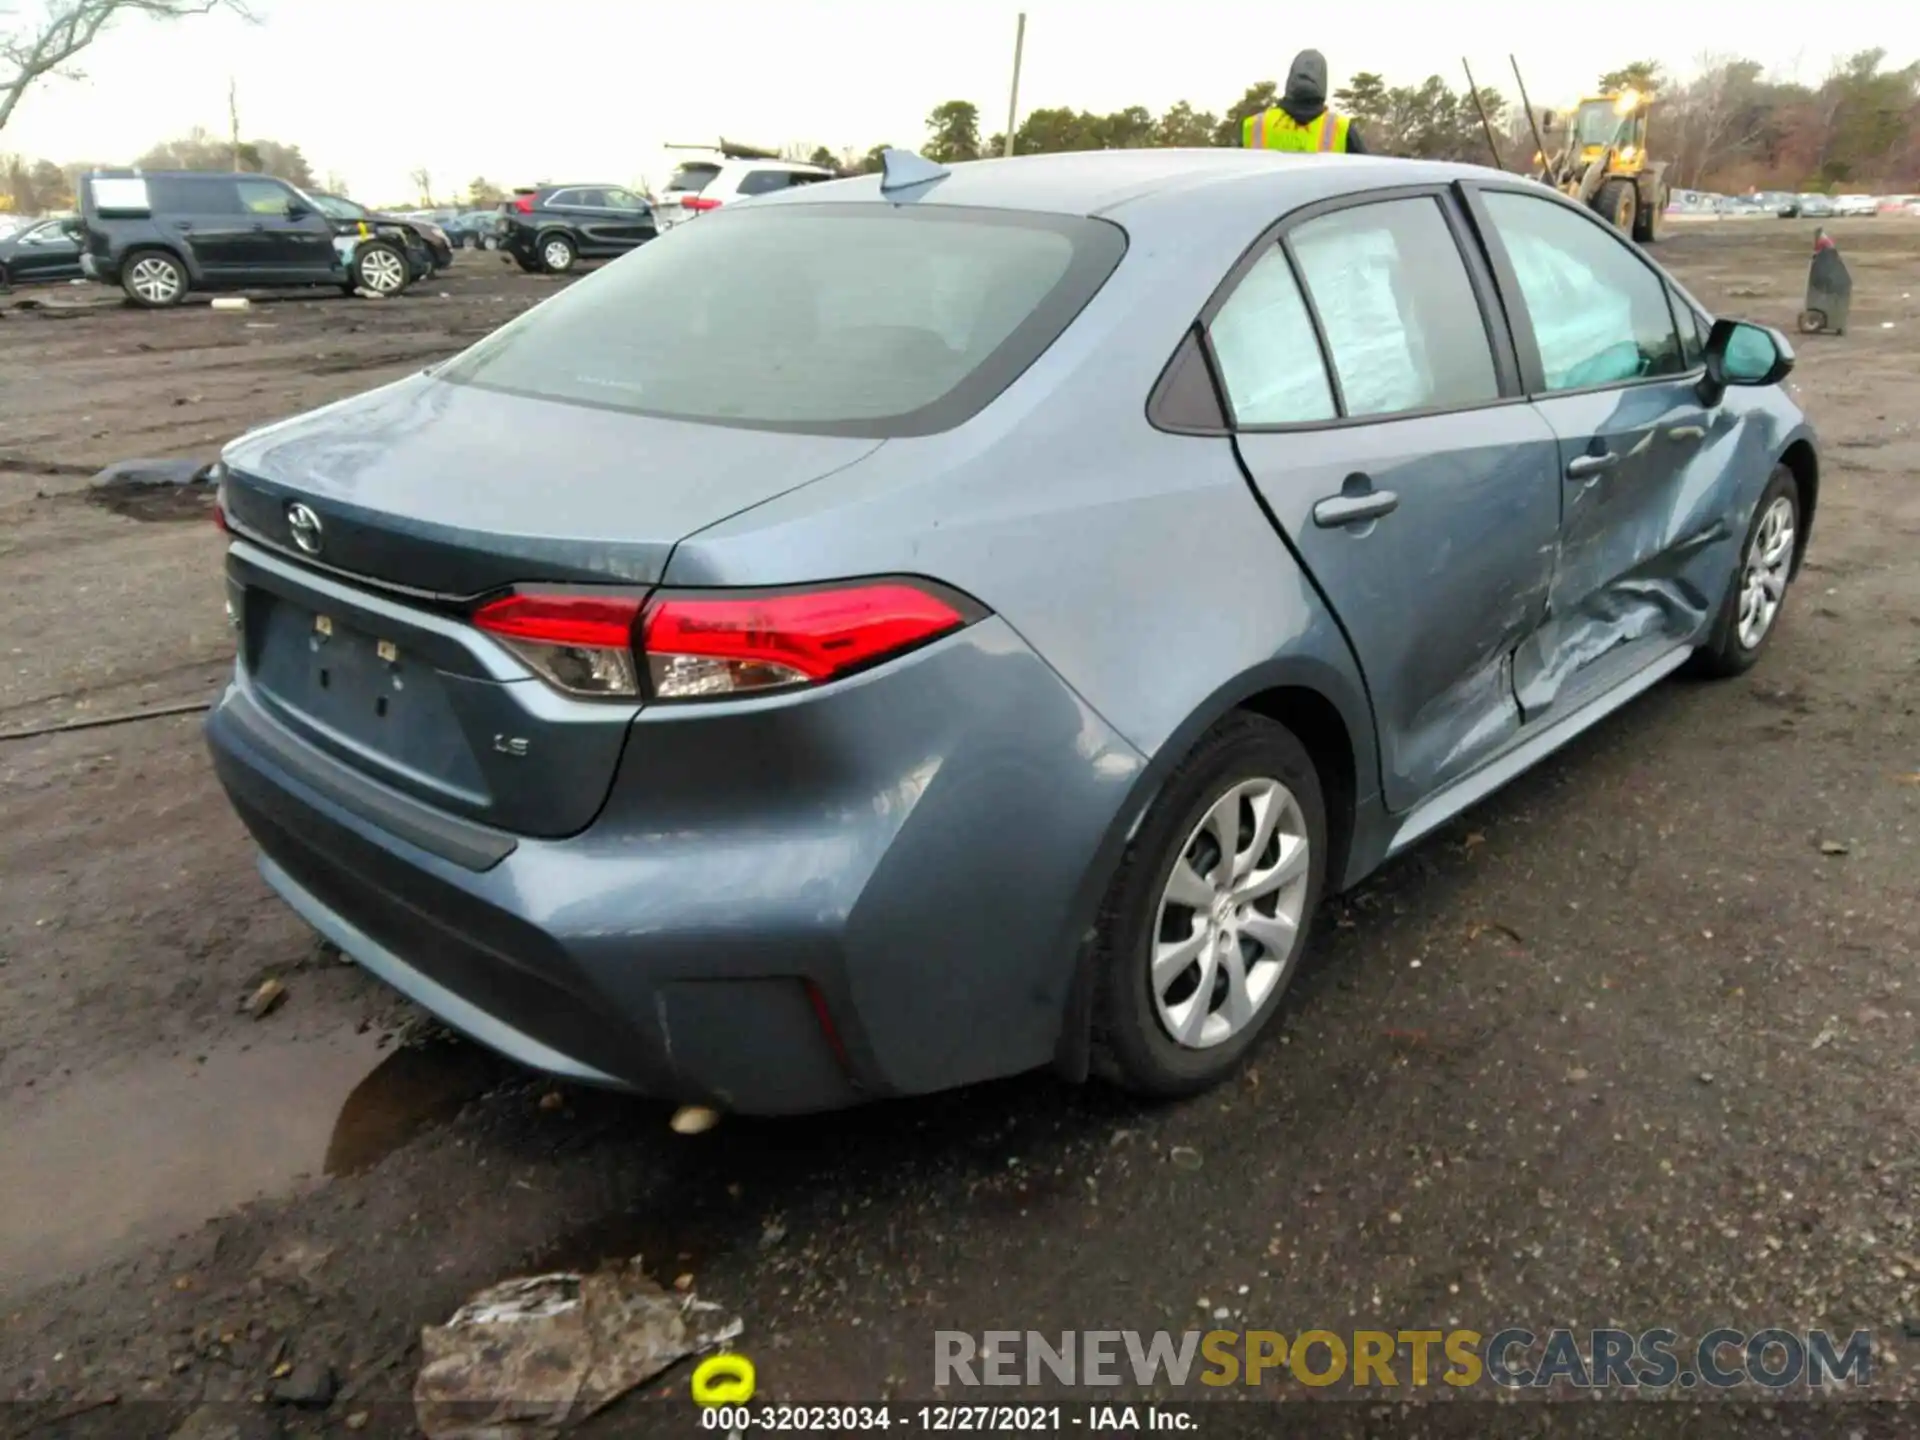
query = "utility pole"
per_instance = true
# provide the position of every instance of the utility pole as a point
(233, 120)
(1013, 99)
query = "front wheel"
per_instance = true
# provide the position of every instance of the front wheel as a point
(1208, 916)
(380, 270)
(1757, 589)
(1619, 204)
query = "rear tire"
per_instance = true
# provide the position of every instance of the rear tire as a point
(558, 254)
(1757, 588)
(1196, 947)
(153, 279)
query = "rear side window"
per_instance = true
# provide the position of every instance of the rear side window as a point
(1599, 314)
(195, 194)
(693, 177)
(840, 319)
(763, 182)
(1269, 359)
(1400, 316)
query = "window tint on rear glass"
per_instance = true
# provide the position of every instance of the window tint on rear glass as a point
(833, 319)
(1399, 313)
(1269, 359)
(763, 182)
(693, 177)
(1599, 314)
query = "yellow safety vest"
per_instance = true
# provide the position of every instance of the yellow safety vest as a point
(1276, 130)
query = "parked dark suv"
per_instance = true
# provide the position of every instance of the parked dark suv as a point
(160, 234)
(553, 227)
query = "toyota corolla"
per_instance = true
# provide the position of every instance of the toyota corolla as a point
(948, 622)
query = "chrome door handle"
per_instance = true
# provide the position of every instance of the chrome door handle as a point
(1337, 510)
(1585, 467)
(1687, 432)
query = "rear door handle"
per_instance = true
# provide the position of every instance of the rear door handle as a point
(1687, 432)
(183, 224)
(1337, 510)
(1585, 467)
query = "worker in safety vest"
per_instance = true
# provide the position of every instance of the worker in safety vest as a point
(1302, 121)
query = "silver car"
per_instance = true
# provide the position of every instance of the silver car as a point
(932, 625)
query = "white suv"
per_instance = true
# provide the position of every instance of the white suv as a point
(701, 185)
(1856, 205)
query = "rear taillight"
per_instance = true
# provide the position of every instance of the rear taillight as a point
(524, 204)
(698, 202)
(582, 644)
(699, 645)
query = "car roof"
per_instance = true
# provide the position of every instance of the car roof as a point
(1149, 184)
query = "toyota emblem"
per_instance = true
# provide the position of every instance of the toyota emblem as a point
(305, 527)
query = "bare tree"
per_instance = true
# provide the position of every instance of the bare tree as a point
(44, 40)
(423, 182)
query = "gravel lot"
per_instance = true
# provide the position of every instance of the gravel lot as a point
(1633, 1043)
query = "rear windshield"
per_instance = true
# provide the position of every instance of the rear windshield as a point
(834, 319)
(693, 178)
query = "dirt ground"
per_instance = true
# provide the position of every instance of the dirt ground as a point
(1635, 1042)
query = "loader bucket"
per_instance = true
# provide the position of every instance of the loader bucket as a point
(1829, 290)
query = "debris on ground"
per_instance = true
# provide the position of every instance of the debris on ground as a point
(264, 1001)
(309, 1385)
(527, 1356)
(143, 473)
(1833, 847)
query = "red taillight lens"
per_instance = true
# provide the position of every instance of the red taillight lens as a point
(700, 645)
(524, 204)
(698, 202)
(721, 645)
(220, 517)
(582, 644)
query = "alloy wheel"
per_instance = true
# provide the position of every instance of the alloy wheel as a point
(383, 272)
(1764, 584)
(156, 281)
(1230, 914)
(558, 255)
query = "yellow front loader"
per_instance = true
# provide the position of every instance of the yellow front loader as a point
(1599, 157)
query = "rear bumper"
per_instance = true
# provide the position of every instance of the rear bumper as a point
(912, 852)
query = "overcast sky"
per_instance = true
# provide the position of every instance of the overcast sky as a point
(592, 89)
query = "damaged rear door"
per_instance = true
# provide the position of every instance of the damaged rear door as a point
(1644, 539)
(1380, 419)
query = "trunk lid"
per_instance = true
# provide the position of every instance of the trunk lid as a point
(425, 495)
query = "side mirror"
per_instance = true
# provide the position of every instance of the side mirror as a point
(297, 211)
(1739, 353)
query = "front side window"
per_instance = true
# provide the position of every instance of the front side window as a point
(624, 200)
(261, 197)
(836, 319)
(1398, 310)
(1269, 359)
(1599, 314)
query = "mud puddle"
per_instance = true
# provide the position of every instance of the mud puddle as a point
(106, 1164)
